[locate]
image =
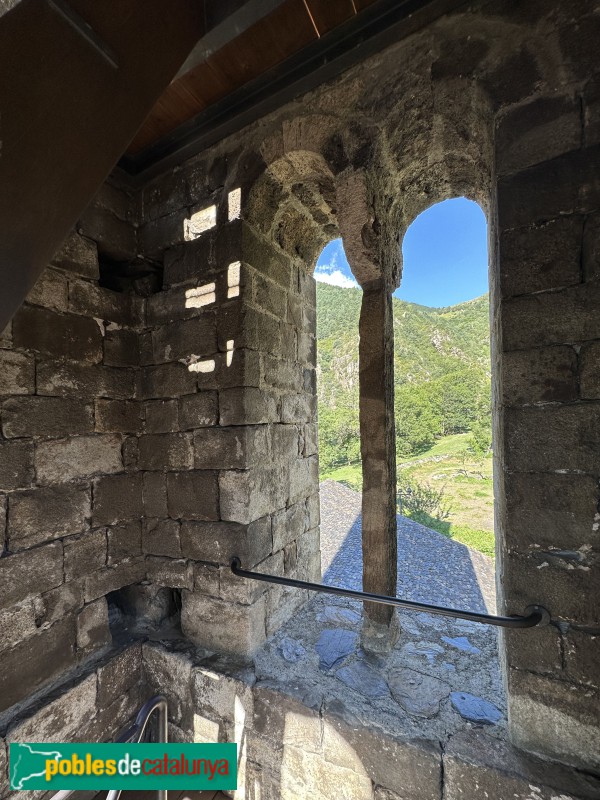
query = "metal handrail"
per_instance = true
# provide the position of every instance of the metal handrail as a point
(135, 734)
(534, 615)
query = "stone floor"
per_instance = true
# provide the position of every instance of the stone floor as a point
(442, 676)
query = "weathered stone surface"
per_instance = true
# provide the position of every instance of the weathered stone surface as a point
(124, 541)
(555, 718)
(47, 513)
(57, 335)
(546, 256)
(197, 336)
(118, 416)
(288, 525)
(16, 465)
(30, 573)
(161, 537)
(247, 406)
(589, 371)
(153, 604)
(174, 573)
(57, 603)
(223, 627)
(121, 348)
(590, 250)
(198, 410)
(78, 457)
(78, 255)
(117, 498)
(476, 762)
(96, 301)
(155, 494)
(85, 553)
(250, 494)
(221, 541)
(90, 382)
(110, 579)
(92, 626)
(17, 373)
(119, 674)
(167, 451)
(582, 653)
(50, 290)
(475, 709)
(161, 416)
(334, 645)
(167, 380)
(170, 673)
(230, 448)
(363, 679)
(46, 416)
(36, 661)
(193, 495)
(220, 696)
(417, 693)
(542, 375)
(17, 623)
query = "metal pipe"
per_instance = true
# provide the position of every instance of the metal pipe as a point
(534, 615)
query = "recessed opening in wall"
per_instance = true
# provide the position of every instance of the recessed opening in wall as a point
(143, 608)
(201, 221)
(442, 375)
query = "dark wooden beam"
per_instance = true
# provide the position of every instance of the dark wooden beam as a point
(77, 80)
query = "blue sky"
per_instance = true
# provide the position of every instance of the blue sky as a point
(445, 256)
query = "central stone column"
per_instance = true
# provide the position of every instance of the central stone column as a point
(378, 452)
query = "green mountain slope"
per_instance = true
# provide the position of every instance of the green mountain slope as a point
(441, 363)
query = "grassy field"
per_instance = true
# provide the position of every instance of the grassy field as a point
(466, 483)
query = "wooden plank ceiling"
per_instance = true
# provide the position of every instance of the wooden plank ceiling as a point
(291, 26)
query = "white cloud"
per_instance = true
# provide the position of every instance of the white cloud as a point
(334, 277)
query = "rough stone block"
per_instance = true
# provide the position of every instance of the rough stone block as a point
(223, 627)
(560, 581)
(121, 673)
(304, 478)
(155, 494)
(60, 719)
(84, 554)
(57, 335)
(113, 720)
(538, 131)
(180, 340)
(248, 328)
(118, 416)
(582, 653)
(167, 380)
(193, 495)
(38, 515)
(16, 465)
(550, 510)
(310, 441)
(537, 649)
(563, 317)
(288, 525)
(589, 371)
(239, 367)
(117, 498)
(51, 290)
(530, 196)
(166, 451)
(542, 375)
(248, 406)
(230, 448)
(219, 542)
(198, 410)
(161, 416)
(223, 697)
(475, 762)
(79, 457)
(3, 520)
(116, 237)
(46, 416)
(161, 538)
(282, 375)
(590, 255)
(17, 373)
(30, 573)
(17, 623)
(551, 438)
(78, 255)
(121, 348)
(554, 719)
(6, 337)
(57, 603)
(285, 445)
(110, 579)
(93, 631)
(169, 572)
(207, 579)
(76, 380)
(93, 301)
(170, 674)
(313, 507)
(124, 541)
(266, 294)
(250, 494)
(36, 661)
